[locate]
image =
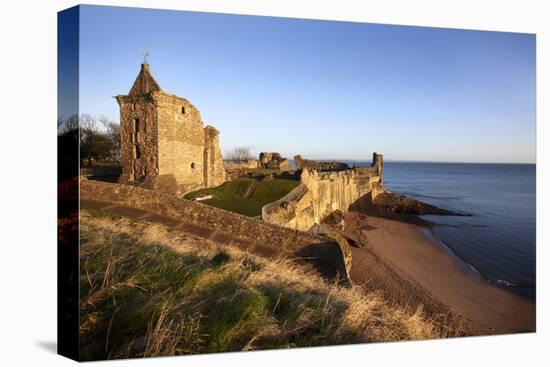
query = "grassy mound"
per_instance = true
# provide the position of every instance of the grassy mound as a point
(246, 195)
(148, 292)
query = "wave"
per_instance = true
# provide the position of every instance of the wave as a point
(482, 276)
(424, 196)
(460, 259)
(507, 283)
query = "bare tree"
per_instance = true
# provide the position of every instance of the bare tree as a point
(88, 127)
(95, 144)
(98, 139)
(112, 131)
(239, 155)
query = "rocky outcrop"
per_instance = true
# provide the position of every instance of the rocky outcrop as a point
(399, 207)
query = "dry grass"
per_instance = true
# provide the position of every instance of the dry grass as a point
(146, 291)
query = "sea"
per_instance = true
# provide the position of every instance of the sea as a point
(498, 241)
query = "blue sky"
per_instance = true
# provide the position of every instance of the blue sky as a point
(324, 89)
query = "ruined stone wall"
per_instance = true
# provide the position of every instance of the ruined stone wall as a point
(250, 164)
(164, 145)
(214, 170)
(247, 228)
(319, 165)
(180, 142)
(321, 193)
(273, 161)
(138, 130)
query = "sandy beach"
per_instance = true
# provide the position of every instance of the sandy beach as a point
(412, 266)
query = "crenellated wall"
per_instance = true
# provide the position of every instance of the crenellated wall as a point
(321, 193)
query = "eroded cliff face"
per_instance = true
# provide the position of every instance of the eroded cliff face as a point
(321, 193)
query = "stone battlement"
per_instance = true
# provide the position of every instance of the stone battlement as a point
(319, 165)
(321, 193)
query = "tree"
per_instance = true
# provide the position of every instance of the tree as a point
(88, 130)
(112, 132)
(98, 143)
(239, 155)
(97, 139)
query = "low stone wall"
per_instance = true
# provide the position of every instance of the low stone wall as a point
(319, 165)
(246, 228)
(315, 248)
(321, 193)
(250, 164)
(101, 171)
(271, 212)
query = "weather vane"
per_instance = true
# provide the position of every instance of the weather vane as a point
(145, 54)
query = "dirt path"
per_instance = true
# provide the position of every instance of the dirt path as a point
(414, 255)
(314, 264)
(215, 235)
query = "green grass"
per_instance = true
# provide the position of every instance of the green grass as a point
(231, 195)
(147, 292)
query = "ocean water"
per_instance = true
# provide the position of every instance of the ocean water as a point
(498, 241)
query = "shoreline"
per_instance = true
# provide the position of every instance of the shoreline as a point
(470, 269)
(421, 259)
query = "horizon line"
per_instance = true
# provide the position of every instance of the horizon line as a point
(418, 161)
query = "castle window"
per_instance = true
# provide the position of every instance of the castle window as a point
(193, 165)
(138, 151)
(182, 110)
(136, 124)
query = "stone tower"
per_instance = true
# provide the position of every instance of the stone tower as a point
(164, 144)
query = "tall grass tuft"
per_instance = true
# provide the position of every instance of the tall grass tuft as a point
(146, 291)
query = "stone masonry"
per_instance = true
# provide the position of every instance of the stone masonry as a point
(321, 193)
(319, 165)
(273, 161)
(164, 144)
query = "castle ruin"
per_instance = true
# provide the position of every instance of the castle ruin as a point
(164, 144)
(166, 147)
(273, 161)
(266, 160)
(321, 193)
